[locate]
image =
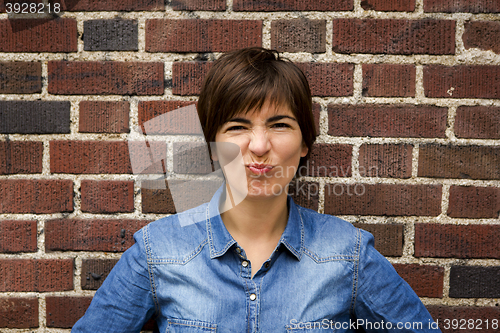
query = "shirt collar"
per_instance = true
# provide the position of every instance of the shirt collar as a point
(220, 240)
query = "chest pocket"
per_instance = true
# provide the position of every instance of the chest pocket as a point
(189, 326)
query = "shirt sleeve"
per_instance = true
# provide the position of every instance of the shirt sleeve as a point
(384, 302)
(124, 302)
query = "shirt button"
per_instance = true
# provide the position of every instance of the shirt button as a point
(238, 250)
(244, 263)
(266, 265)
(253, 297)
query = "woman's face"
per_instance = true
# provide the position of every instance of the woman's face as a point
(271, 146)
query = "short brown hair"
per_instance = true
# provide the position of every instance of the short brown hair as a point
(243, 80)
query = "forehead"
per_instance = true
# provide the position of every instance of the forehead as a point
(267, 110)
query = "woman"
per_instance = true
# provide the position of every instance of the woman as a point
(264, 264)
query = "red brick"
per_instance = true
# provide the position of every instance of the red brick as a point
(20, 157)
(389, 5)
(474, 202)
(64, 311)
(328, 160)
(479, 81)
(387, 121)
(95, 271)
(388, 80)
(156, 198)
(482, 35)
(481, 315)
(425, 280)
(112, 5)
(26, 35)
(329, 79)
(477, 122)
(301, 35)
(187, 77)
(390, 36)
(91, 235)
(20, 77)
(26, 196)
(17, 312)
(107, 196)
(473, 162)
(36, 274)
(316, 110)
(18, 236)
(292, 5)
(191, 158)
(216, 5)
(197, 35)
(388, 237)
(383, 199)
(387, 160)
(455, 6)
(149, 110)
(105, 78)
(456, 241)
(305, 194)
(104, 117)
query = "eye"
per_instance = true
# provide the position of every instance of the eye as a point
(281, 125)
(235, 128)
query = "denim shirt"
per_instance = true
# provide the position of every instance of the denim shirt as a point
(324, 276)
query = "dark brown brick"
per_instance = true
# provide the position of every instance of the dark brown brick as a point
(292, 5)
(425, 280)
(388, 80)
(328, 160)
(389, 5)
(473, 162)
(475, 282)
(456, 241)
(387, 160)
(387, 121)
(215, 5)
(104, 117)
(20, 77)
(105, 78)
(481, 81)
(107, 196)
(17, 312)
(477, 122)
(91, 235)
(197, 35)
(329, 79)
(20, 157)
(36, 274)
(301, 35)
(383, 199)
(388, 237)
(110, 35)
(3, 7)
(95, 271)
(316, 110)
(156, 198)
(149, 110)
(112, 5)
(305, 194)
(390, 36)
(482, 317)
(64, 311)
(468, 6)
(26, 196)
(187, 77)
(18, 236)
(474, 202)
(482, 35)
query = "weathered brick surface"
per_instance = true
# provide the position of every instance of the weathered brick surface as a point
(110, 35)
(456, 241)
(187, 77)
(477, 122)
(328, 160)
(156, 198)
(329, 79)
(292, 5)
(474, 162)
(20, 77)
(299, 35)
(388, 237)
(18, 312)
(475, 282)
(454, 6)
(382, 199)
(104, 117)
(392, 36)
(27, 196)
(305, 194)
(27, 35)
(480, 81)
(201, 35)
(191, 158)
(425, 280)
(216, 5)
(388, 80)
(387, 160)
(387, 121)
(18, 236)
(164, 123)
(482, 317)
(95, 271)
(36, 274)
(112, 5)
(107, 196)
(34, 117)
(474, 202)
(389, 5)
(105, 78)
(482, 35)
(64, 311)
(91, 235)
(20, 157)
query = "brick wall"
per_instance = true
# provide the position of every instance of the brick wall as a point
(406, 99)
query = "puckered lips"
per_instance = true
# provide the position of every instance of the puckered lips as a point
(259, 168)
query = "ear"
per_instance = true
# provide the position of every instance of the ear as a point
(304, 150)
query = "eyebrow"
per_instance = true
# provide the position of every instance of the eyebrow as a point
(269, 120)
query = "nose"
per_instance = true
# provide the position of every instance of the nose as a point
(259, 142)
